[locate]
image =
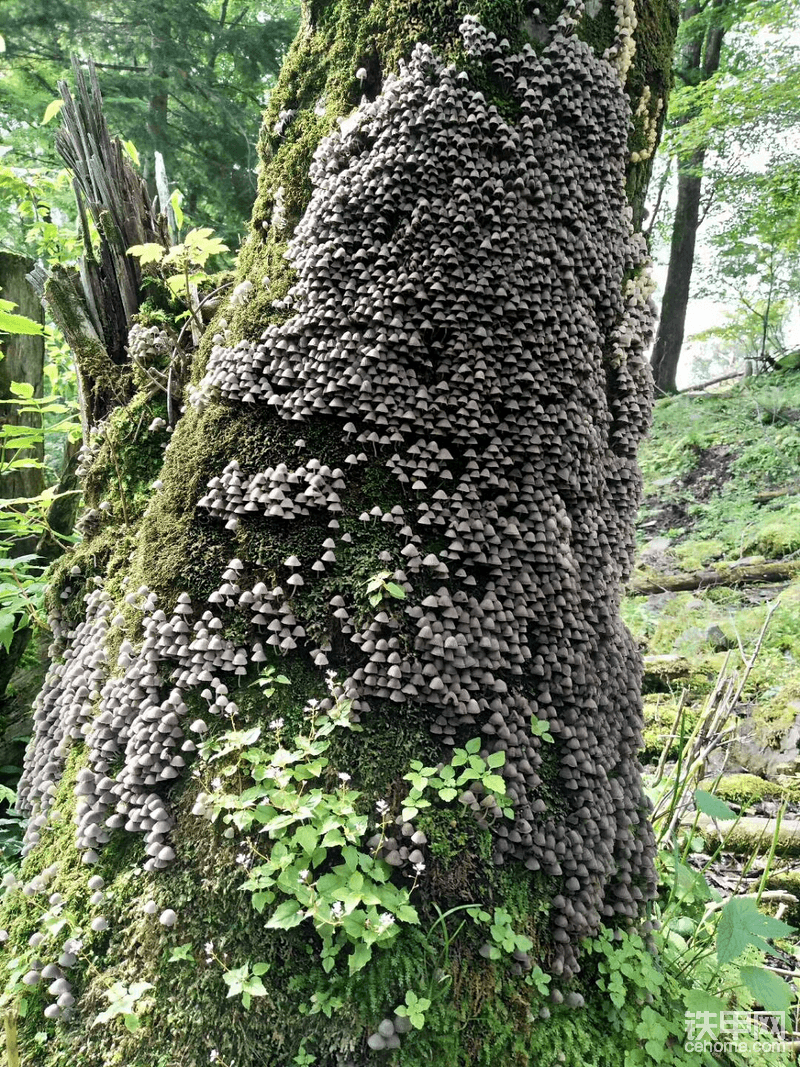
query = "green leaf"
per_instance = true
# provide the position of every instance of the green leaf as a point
(260, 900)
(181, 952)
(52, 110)
(406, 914)
(307, 837)
(19, 324)
(713, 806)
(176, 200)
(396, 590)
(771, 992)
(447, 793)
(130, 148)
(7, 625)
(496, 759)
(359, 957)
(147, 253)
(23, 390)
(286, 915)
(474, 745)
(494, 782)
(132, 1022)
(697, 1000)
(742, 924)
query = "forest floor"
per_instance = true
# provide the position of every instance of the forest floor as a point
(721, 505)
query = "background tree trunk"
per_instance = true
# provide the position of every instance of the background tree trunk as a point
(700, 61)
(23, 361)
(447, 402)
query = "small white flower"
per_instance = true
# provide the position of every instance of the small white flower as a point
(216, 783)
(382, 807)
(242, 858)
(214, 1056)
(343, 777)
(276, 724)
(337, 908)
(302, 876)
(419, 868)
(385, 920)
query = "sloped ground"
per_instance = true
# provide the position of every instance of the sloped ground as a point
(722, 485)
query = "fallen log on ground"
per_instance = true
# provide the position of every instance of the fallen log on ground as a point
(751, 832)
(730, 574)
(773, 494)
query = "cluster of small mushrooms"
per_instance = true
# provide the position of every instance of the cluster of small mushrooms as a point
(472, 304)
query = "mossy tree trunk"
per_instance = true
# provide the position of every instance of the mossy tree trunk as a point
(438, 395)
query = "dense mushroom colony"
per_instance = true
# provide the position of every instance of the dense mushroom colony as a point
(472, 303)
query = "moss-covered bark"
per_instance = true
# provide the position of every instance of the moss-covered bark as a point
(569, 858)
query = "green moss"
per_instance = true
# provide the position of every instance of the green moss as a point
(129, 459)
(744, 789)
(659, 723)
(789, 881)
(691, 555)
(775, 537)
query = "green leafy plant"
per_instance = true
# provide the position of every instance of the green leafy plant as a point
(123, 1001)
(414, 1009)
(315, 869)
(183, 264)
(181, 954)
(380, 586)
(502, 933)
(447, 781)
(245, 981)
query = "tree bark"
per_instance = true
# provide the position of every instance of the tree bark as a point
(439, 396)
(23, 361)
(701, 60)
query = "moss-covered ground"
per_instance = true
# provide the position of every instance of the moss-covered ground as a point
(722, 484)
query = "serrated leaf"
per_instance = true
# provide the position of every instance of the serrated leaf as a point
(406, 914)
(494, 782)
(448, 793)
(18, 324)
(474, 745)
(697, 1000)
(52, 110)
(496, 759)
(712, 806)
(742, 924)
(147, 253)
(771, 992)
